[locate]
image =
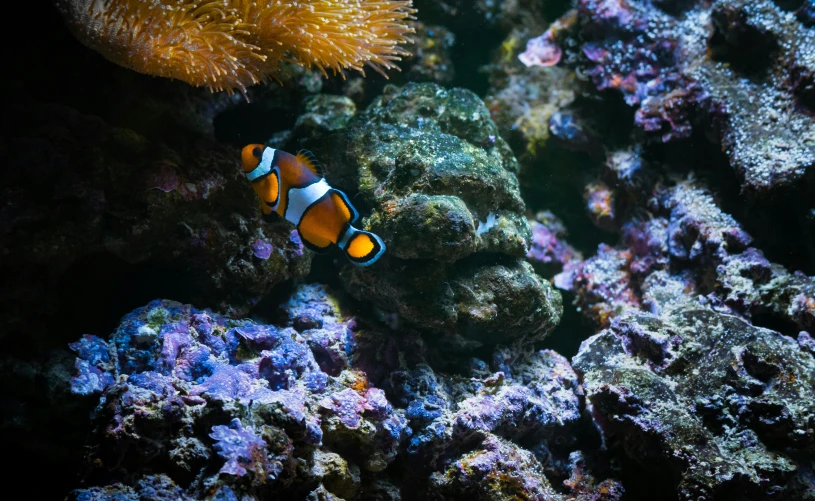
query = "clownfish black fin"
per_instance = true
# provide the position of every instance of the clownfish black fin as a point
(314, 248)
(354, 214)
(271, 217)
(308, 159)
(362, 248)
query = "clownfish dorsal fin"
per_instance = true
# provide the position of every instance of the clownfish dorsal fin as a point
(308, 159)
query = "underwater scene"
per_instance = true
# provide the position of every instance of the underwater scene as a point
(404, 250)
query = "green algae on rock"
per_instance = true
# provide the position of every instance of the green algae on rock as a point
(483, 301)
(441, 186)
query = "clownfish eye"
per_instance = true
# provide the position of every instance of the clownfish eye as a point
(257, 152)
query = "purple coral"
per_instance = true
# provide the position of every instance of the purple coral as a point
(262, 249)
(243, 450)
(548, 249)
(182, 371)
(541, 51)
(93, 365)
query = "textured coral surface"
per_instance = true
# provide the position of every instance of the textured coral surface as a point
(320, 406)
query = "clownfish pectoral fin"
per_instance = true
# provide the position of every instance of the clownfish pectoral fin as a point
(308, 159)
(362, 248)
(353, 214)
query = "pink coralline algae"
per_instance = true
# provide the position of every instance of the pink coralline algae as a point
(602, 283)
(686, 228)
(548, 250)
(244, 450)
(262, 249)
(322, 405)
(541, 51)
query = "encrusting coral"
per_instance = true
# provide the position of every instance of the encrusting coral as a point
(232, 44)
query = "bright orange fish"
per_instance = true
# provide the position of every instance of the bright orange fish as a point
(293, 187)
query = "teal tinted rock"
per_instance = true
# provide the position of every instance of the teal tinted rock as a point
(438, 182)
(324, 113)
(487, 302)
(421, 142)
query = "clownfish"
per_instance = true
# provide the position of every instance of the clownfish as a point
(292, 186)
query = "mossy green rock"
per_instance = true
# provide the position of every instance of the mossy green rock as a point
(439, 184)
(432, 164)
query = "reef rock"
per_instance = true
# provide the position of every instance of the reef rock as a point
(439, 185)
(503, 429)
(739, 70)
(193, 404)
(241, 408)
(680, 382)
(705, 400)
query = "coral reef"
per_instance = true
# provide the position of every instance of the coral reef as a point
(548, 252)
(673, 138)
(319, 408)
(703, 397)
(737, 70)
(680, 382)
(231, 405)
(693, 242)
(232, 44)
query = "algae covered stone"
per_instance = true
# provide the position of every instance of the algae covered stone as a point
(441, 190)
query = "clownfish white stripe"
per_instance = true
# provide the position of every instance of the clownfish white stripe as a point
(301, 199)
(345, 238)
(264, 167)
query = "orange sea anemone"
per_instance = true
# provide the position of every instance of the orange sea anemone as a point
(231, 44)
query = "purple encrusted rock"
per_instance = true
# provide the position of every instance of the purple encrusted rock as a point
(698, 228)
(262, 249)
(89, 379)
(548, 251)
(541, 51)
(92, 349)
(346, 405)
(243, 450)
(182, 373)
(602, 284)
(93, 365)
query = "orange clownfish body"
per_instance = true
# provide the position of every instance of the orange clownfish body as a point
(293, 187)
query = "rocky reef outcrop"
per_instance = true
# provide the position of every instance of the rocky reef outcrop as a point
(319, 406)
(439, 184)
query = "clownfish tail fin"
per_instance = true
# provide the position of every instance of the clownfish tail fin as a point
(362, 248)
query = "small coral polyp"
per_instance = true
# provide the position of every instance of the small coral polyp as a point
(232, 44)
